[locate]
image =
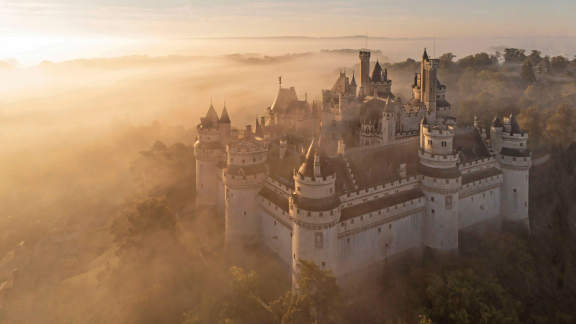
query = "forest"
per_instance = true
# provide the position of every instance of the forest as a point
(143, 254)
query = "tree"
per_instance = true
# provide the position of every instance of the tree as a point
(560, 126)
(534, 57)
(514, 55)
(527, 73)
(446, 60)
(316, 299)
(559, 64)
(463, 297)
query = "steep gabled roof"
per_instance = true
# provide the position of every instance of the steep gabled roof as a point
(284, 98)
(377, 73)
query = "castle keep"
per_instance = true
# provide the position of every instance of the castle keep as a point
(362, 177)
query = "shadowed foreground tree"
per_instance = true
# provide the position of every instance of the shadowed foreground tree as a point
(316, 300)
(463, 297)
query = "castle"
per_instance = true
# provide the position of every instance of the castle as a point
(362, 177)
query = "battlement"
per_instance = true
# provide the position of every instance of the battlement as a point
(316, 219)
(238, 181)
(315, 180)
(477, 164)
(367, 194)
(438, 130)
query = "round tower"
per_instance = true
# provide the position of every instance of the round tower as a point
(315, 212)
(515, 160)
(245, 174)
(210, 154)
(441, 182)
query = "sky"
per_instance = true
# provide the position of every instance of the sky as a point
(33, 29)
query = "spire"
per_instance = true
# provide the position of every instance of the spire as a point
(377, 73)
(224, 118)
(353, 82)
(385, 75)
(259, 131)
(211, 115)
(425, 56)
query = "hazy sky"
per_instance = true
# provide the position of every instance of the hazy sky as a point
(31, 25)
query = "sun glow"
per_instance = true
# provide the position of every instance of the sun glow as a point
(33, 49)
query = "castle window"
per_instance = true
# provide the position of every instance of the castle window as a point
(323, 263)
(444, 144)
(432, 211)
(319, 240)
(348, 240)
(390, 226)
(244, 213)
(432, 198)
(309, 214)
(448, 202)
(379, 230)
(430, 142)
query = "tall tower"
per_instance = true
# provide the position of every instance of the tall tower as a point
(428, 84)
(441, 183)
(314, 209)
(364, 73)
(245, 174)
(209, 152)
(515, 160)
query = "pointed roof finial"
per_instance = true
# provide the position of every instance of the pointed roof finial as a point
(425, 55)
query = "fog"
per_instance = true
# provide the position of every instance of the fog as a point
(71, 133)
(72, 137)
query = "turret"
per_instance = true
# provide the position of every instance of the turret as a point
(224, 124)
(210, 153)
(514, 158)
(314, 209)
(364, 73)
(426, 85)
(388, 123)
(244, 176)
(441, 183)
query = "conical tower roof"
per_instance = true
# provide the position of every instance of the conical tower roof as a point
(316, 164)
(224, 117)
(212, 115)
(425, 55)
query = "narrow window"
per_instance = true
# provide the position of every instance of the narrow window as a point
(319, 240)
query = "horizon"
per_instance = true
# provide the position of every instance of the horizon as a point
(33, 31)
